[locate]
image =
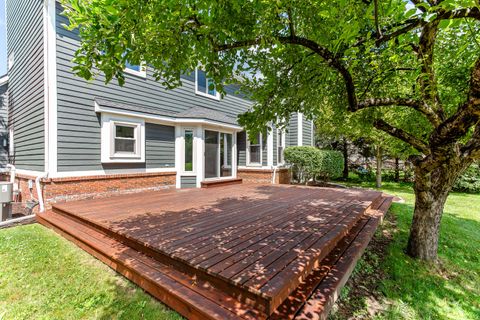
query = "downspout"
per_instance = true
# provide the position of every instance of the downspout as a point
(274, 174)
(39, 191)
(12, 172)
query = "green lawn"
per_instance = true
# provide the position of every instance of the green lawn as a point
(43, 276)
(414, 290)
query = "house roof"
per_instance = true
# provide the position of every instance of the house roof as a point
(3, 80)
(194, 114)
(205, 113)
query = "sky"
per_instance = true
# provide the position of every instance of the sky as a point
(3, 40)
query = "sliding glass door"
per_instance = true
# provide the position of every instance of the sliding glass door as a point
(218, 154)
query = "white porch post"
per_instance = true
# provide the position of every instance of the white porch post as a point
(178, 154)
(270, 148)
(300, 129)
(234, 155)
(199, 143)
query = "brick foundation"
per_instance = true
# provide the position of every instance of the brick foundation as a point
(92, 187)
(282, 176)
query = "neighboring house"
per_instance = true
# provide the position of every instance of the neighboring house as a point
(92, 139)
(3, 121)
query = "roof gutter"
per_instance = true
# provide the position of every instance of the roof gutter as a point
(166, 119)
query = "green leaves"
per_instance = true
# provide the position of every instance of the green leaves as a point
(310, 162)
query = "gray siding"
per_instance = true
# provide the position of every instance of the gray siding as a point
(26, 89)
(274, 132)
(3, 125)
(79, 126)
(242, 148)
(159, 146)
(292, 135)
(265, 149)
(307, 132)
(188, 182)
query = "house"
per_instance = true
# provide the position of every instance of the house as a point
(3, 121)
(87, 139)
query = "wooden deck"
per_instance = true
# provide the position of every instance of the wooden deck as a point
(250, 251)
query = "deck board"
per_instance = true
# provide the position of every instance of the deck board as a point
(259, 241)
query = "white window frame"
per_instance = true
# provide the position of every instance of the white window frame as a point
(260, 143)
(109, 123)
(205, 94)
(194, 152)
(142, 73)
(232, 147)
(283, 140)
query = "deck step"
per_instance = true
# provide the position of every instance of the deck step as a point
(192, 298)
(220, 182)
(325, 283)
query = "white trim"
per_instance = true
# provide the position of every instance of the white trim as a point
(108, 135)
(312, 134)
(300, 129)
(165, 119)
(254, 164)
(106, 172)
(219, 168)
(50, 85)
(181, 153)
(259, 168)
(270, 147)
(141, 74)
(3, 80)
(283, 133)
(178, 159)
(26, 172)
(205, 94)
(200, 160)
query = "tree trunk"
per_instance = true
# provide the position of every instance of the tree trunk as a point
(379, 167)
(397, 170)
(431, 192)
(345, 159)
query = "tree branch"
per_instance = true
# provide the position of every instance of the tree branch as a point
(377, 25)
(466, 116)
(330, 58)
(471, 150)
(427, 79)
(402, 135)
(460, 13)
(382, 102)
(418, 5)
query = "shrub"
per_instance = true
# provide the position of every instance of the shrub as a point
(311, 163)
(469, 181)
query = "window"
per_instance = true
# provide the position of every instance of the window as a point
(255, 150)
(123, 139)
(137, 70)
(188, 136)
(280, 146)
(205, 86)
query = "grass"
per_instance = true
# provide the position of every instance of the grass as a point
(43, 276)
(416, 290)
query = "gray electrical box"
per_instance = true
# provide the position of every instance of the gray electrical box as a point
(6, 197)
(6, 192)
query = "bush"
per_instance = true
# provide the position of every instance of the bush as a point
(312, 163)
(469, 181)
